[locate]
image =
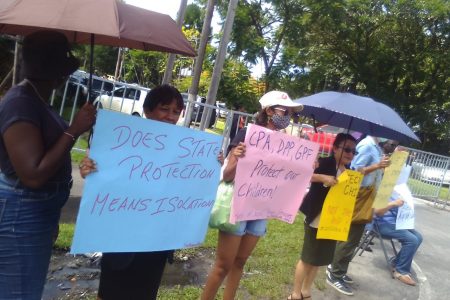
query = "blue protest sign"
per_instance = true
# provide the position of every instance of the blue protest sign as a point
(154, 189)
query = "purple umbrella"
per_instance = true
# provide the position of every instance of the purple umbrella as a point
(357, 113)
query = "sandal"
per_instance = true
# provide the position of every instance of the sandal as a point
(301, 297)
(405, 278)
(305, 297)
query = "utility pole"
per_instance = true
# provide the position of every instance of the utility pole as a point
(171, 60)
(193, 90)
(220, 59)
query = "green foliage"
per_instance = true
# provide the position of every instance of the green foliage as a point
(144, 67)
(237, 88)
(65, 236)
(193, 18)
(105, 58)
(394, 51)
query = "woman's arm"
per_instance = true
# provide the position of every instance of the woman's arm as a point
(327, 180)
(381, 211)
(25, 146)
(230, 170)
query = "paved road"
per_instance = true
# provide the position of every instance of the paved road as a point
(433, 256)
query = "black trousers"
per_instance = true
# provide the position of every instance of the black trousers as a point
(131, 276)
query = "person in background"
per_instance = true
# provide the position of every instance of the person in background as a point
(36, 168)
(138, 275)
(238, 122)
(234, 248)
(371, 162)
(388, 147)
(410, 239)
(319, 252)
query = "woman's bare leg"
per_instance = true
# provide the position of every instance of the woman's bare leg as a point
(304, 278)
(248, 243)
(227, 249)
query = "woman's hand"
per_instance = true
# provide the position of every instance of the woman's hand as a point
(220, 158)
(397, 203)
(239, 150)
(329, 180)
(230, 170)
(385, 162)
(84, 120)
(87, 166)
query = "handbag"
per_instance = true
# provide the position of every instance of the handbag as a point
(363, 212)
(220, 213)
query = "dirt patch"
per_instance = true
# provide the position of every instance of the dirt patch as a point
(77, 277)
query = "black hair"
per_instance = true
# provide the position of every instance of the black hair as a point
(262, 119)
(341, 137)
(163, 94)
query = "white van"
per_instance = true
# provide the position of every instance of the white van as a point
(128, 99)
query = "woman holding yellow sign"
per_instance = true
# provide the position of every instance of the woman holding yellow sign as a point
(315, 252)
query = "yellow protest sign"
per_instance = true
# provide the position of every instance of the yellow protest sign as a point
(338, 207)
(390, 178)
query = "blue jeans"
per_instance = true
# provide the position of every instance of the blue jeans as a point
(28, 222)
(410, 240)
(253, 227)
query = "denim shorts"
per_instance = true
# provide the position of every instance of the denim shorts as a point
(28, 222)
(253, 227)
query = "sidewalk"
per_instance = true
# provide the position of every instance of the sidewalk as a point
(372, 279)
(369, 271)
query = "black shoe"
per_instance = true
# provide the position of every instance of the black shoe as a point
(371, 243)
(368, 249)
(339, 285)
(347, 279)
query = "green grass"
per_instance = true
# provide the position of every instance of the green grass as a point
(219, 128)
(82, 144)
(428, 189)
(269, 272)
(65, 236)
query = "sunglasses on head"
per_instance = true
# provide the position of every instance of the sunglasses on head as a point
(349, 150)
(282, 110)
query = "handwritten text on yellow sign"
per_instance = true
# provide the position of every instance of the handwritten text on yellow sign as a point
(390, 178)
(337, 210)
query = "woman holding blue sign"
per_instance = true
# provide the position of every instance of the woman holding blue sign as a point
(235, 247)
(319, 252)
(138, 275)
(36, 168)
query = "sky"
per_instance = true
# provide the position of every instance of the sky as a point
(170, 7)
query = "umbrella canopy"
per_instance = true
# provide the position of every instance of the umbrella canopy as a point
(357, 113)
(111, 22)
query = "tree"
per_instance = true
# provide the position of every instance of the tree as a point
(104, 58)
(260, 29)
(145, 68)
(394, 51)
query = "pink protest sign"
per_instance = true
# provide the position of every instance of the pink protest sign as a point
(272, 178)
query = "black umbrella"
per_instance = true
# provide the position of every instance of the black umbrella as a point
(357, 113)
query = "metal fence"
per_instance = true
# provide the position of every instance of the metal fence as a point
(429, 179)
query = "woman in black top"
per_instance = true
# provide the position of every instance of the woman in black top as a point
(315, 252)
(36, 170)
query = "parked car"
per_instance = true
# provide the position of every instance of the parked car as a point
(128, 99)
(221, 110)
(79, 81)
